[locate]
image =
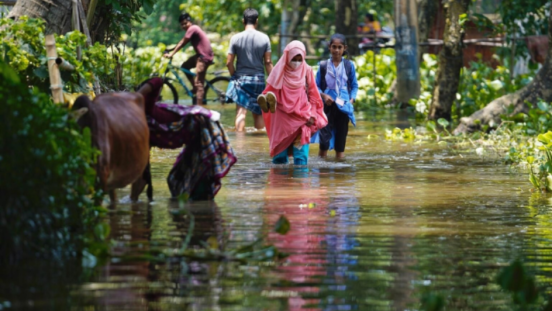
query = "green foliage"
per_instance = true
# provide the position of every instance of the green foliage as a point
(139, 64)
(528, 17)
(538, 120)
(96, 62)
(23, 49)
(543, 179)
(479, 85)
(530, 152)
(386, 72)
(432, 302)
(516, 280)
(46, 163)
(398, 134)
(225, 17)
(118, 16)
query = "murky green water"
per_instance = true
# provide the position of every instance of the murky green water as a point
(393, 221)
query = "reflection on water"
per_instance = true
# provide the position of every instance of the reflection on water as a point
(374, 232)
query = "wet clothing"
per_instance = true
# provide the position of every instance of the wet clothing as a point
(205, 160)
(297, 101)
(338, 83)
(249, 46)
(207, 156)
(348, 86)
(300, 155)
(334, 135)
(244, 90)
(200, 42)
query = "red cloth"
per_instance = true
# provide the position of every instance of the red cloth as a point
(298, 100)
(200, 42)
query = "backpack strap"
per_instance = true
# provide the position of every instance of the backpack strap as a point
(348, 66)
(323, 69)
(348, 69)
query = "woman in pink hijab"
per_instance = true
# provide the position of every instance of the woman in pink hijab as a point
(292, 107)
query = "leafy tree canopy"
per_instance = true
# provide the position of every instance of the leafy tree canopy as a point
(225, 17)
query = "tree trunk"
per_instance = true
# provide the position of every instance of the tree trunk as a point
(539, 89)
(299, 10)
(406, 50)
(427, 11)
(450, 61)
(56, 13)
(346, 23)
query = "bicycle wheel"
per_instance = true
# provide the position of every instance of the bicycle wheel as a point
(168, 93)
(215, 90)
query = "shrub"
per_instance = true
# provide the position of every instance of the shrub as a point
(23, 49)
(47, 174)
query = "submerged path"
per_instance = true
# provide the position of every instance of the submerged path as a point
(393, 221)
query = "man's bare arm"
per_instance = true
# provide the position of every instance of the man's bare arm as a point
(180, 45)
(230, 63)
(268, 62)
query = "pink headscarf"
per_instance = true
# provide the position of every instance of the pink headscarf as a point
(283, 73)
(295, 104)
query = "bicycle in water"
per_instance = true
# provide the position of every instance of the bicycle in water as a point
(215, 89)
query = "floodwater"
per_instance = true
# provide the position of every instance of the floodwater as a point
(391, 223)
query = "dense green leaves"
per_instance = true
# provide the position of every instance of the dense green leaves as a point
(524, 17)
(118, 16)
(225, 17)
(23, 49)
(47, 176)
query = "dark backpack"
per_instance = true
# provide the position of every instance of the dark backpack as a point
(324, 68)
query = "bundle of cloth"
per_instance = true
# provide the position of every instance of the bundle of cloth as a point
(206, 156)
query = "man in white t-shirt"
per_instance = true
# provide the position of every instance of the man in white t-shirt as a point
(252, 50)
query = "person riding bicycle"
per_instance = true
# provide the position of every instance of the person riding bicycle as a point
(253, 53)
(201, 60)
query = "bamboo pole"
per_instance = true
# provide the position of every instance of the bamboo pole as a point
(85, 29)
(76, 26)
(53, 70)
(374, 72)
(8, 2)
(96, 84)
(64, 65)
(91, 11)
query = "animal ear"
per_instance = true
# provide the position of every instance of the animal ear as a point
(77, 114)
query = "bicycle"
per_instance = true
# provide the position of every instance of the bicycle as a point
(215, 89)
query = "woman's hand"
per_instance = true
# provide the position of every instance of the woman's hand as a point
(311, 121)
(328, 100)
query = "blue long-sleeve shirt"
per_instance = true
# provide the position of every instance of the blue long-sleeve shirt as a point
(351, 81)
(346, 95)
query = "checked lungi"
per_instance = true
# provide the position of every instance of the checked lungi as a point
(244, 90)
